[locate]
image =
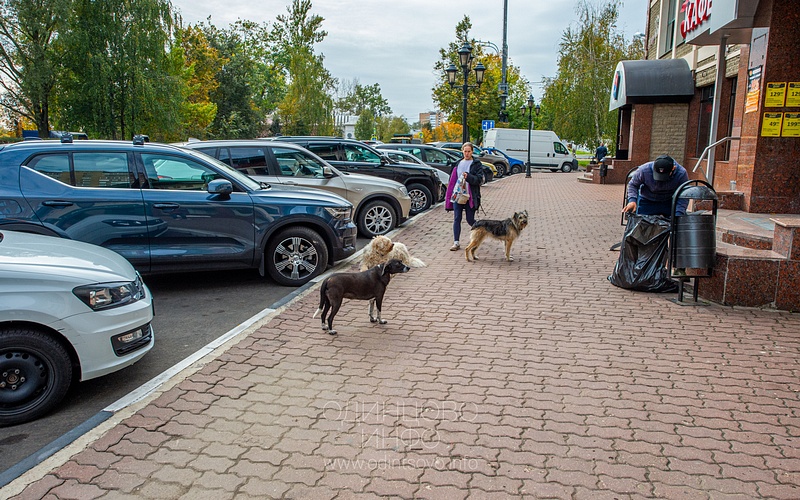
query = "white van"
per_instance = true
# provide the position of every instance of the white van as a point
(547, 150)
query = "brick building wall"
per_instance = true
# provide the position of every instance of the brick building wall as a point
(669, 131)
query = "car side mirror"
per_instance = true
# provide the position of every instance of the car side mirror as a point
(327, 172)
(220, 186)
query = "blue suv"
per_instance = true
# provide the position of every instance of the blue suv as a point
(168, 209)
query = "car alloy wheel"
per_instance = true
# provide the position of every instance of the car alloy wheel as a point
(295, 256)
(421, 198)
(376, 218)
(35, 374)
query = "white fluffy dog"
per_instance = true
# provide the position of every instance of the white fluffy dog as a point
(382, 249)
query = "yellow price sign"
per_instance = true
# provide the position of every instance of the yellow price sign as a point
(791, 125)
(771, 125)
(775, 95)
(793, 95)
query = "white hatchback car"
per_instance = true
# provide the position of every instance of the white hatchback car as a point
(68, 310)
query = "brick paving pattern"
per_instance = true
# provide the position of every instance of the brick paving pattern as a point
(530, 379)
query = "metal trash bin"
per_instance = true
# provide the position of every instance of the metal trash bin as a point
(693, 237)
(695, 241)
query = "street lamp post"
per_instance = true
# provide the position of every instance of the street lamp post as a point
(465, 59)
(530, 108)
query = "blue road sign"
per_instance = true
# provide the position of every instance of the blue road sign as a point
(487, 124)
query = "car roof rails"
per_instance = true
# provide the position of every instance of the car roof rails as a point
(140, 139)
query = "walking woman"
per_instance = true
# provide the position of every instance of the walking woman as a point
(471, 170)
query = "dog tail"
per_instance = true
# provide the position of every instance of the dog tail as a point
(322, 290)
(415, 262)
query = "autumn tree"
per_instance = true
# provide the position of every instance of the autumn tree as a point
(307, 107)
(201, 62)
(575, 101)
(482, 102)
(30, 57)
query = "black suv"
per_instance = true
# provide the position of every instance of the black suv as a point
(354, 156)
(169, 209)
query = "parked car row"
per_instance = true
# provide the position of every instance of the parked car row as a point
(356, 157)
(170, 209)
(379, 204)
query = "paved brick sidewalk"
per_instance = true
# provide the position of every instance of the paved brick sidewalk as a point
(534, 379)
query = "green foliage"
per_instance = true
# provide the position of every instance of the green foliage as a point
(575, 102)
(238, 114)
(362, 97)
(200, 63)
(30, 57)
(483, 103)
(307, 106)
(365, 126)
(388, 126)
(119, 79)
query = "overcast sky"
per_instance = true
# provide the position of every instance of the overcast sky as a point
(395, 43)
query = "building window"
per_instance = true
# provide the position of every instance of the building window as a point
(732, 103)
(704, 123)
(669, 35)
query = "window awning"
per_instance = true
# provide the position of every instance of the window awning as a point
(651, 81)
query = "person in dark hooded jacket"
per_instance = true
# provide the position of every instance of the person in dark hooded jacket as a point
(471, 169)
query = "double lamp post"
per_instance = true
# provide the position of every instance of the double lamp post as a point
(465, 59)
(530, 108)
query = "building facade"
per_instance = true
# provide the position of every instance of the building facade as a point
(742, 58)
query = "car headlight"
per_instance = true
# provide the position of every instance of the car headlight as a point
(344, 214)
(403, 190)
(109, 295)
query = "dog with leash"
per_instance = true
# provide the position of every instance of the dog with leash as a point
(506, 231)
(365, 285)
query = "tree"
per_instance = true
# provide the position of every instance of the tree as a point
(307, 107)
(201, 62)
(388, 126)
(362, 97)
(30, 57)
(482, 102)
(365, 125)
(119, 79)
(575, 101)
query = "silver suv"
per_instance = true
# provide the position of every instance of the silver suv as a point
(380, 204)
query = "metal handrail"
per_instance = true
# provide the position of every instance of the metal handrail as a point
(705, 151)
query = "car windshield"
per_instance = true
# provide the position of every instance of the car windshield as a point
(245, 181)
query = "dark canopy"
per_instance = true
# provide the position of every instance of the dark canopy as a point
(651, 81)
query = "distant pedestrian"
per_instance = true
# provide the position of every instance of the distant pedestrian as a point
(652, 186)
(470, 170)
(601, 152)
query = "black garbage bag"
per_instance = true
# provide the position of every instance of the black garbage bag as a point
(642, 259)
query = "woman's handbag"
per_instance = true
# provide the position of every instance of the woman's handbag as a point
(461, 192)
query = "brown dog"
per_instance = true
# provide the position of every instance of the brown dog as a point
(366, 285)
(503, 230)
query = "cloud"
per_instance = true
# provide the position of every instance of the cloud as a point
(396, 43)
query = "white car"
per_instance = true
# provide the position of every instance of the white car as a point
(68, 310)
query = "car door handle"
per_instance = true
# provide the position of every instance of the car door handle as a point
(57, 203)
(166, 206)
(291, 183)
